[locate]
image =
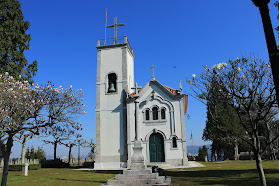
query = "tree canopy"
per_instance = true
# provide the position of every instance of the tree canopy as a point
(248, 89)
(35, 110)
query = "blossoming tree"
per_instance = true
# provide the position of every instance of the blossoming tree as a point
(33, 110)
(19, 105)
(248, 87)
(63, 108)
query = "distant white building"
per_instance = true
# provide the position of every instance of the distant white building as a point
(161, 111)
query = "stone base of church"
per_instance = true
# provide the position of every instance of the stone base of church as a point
(110, 165)
(185, 162)
(177, 162)
(170, 163)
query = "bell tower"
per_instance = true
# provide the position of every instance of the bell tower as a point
(115, 77)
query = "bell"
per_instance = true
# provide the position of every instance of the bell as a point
(111, 88)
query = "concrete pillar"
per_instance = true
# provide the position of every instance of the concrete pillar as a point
(137, 160)
(137, 121)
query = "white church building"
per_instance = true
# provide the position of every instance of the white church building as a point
(161, 113)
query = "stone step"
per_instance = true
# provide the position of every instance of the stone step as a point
(166, 183)
(159, 184)
(159, 180)
(144, 171)
(137, 176)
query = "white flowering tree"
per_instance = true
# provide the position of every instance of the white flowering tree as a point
(31, 110)
(63, 108)
(20, 107)
(248, 87)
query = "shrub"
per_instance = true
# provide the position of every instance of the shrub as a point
(88, 164)
(19, 167)
(202, 153)
(54, 164)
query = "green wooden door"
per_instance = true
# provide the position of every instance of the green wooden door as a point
(156, 148)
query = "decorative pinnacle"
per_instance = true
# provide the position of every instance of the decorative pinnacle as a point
(180, 86)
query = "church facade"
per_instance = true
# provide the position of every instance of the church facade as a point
(160, 115)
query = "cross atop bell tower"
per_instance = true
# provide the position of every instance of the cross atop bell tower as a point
(115, 25)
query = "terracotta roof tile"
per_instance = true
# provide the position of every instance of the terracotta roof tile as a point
(173, 91)
(133, 94)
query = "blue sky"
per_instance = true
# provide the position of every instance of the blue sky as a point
(178, 37)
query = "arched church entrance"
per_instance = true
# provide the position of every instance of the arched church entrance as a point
(156, 148)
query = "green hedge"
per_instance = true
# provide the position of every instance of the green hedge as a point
(54, 164)
(19, 167)
(88, 164)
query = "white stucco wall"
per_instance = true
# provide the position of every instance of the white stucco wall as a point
(174, 109)
(119, 60)
(111, 61)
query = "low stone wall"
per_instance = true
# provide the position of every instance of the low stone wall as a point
(18, 162)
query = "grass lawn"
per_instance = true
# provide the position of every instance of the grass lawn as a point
(215, 173)
(226, 173)
(57, 177)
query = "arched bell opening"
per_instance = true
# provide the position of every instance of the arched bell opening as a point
(112, 85)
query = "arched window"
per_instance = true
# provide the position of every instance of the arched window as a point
(174, 142)
(163, 113)
(155, 113)
(112, 85)
(147, 114)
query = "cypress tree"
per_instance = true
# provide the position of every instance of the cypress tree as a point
(14, 41)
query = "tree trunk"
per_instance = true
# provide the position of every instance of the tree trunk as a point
(6, 159)
(272, 152)
(236, 156)
(70, 150)
(55, 147)
(79, 153)
(259, 167)
(23, 150)
(257, 155)
(271, 46)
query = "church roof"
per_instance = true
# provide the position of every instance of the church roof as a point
(172, 90)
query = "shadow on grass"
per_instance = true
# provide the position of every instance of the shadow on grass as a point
(107, 171)
(222, 177)
(82, 181)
